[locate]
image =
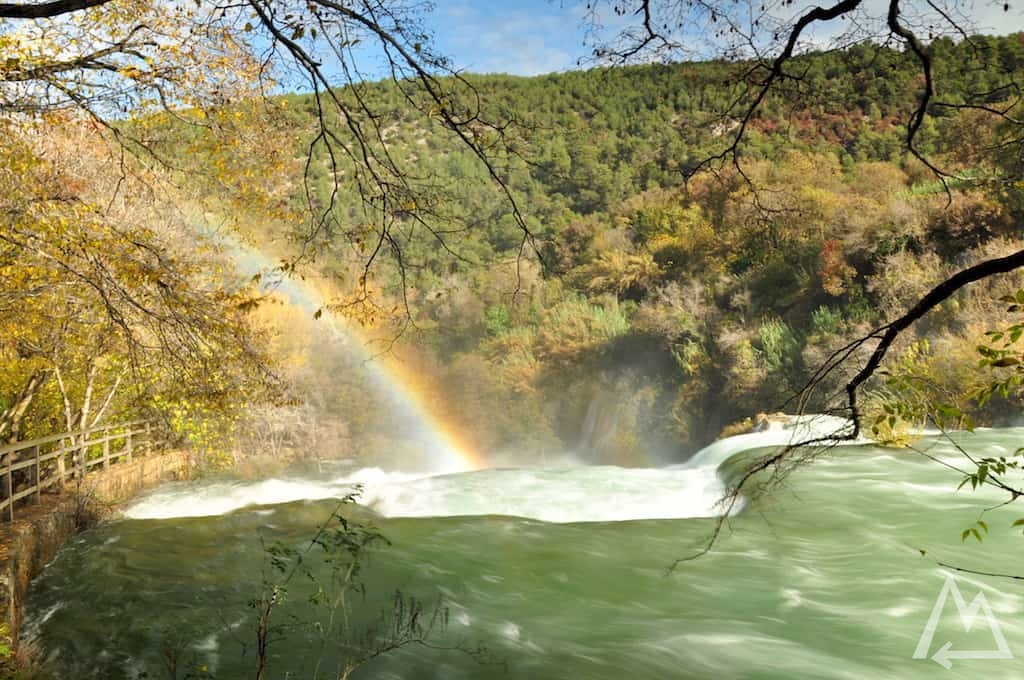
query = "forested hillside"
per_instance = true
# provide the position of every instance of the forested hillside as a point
(651, 308)
(660, 310)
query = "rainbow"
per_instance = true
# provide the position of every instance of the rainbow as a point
(449, 450)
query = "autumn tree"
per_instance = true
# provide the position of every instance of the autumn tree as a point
(114, 60)
(103, 313)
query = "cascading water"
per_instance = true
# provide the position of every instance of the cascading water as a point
(598, 429)
(562, 573)
(793, 430)
(577, 494)
(581, 494)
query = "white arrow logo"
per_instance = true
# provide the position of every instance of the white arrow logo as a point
(967, 615)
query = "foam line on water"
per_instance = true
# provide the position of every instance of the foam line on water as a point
(219, 498)
(580, 494)
(571, 494)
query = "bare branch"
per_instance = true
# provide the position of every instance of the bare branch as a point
(776, 73)
(935, 297)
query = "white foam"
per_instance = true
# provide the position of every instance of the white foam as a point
(203, 500)
(579, 494)
(816, 428)
(510, 630)
(571, 494)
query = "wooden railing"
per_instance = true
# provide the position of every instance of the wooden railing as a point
(29, 467)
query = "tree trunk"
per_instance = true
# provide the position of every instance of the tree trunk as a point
(10, 420)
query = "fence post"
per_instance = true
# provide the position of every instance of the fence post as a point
(80, 455)
(39, 480)
(10, 486)
(60, 448)
(61, 460)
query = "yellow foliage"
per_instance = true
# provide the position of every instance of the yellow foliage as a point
(618, 272)
(100, 300)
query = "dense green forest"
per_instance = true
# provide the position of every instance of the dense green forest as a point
(654, 309)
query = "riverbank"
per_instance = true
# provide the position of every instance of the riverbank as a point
(31, 541)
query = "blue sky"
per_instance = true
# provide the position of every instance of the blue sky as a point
(529, 37)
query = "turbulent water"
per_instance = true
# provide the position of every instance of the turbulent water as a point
(558, 573)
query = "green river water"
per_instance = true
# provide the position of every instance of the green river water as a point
(561, 574)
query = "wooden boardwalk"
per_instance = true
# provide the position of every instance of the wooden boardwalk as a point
(29, 467)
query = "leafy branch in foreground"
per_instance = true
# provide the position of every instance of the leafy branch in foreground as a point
(341, 547)
(982, 470)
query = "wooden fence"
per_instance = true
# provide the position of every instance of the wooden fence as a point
(28, 467)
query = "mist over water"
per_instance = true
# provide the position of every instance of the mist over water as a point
(561, 573)
(354, 359)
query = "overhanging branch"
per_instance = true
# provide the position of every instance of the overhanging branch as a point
(935, 297)
(44, 10)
